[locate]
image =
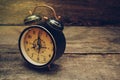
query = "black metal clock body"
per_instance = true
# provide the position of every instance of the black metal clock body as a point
(38, 50)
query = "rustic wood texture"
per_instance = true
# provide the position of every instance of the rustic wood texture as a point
(68, 67)
(74, 12)
(80, 61)
(79, 39)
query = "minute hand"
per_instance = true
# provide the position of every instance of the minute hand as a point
(39, 41)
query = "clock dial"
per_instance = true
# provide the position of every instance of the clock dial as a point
(37, 46)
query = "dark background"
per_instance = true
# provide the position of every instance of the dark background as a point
(73, 12)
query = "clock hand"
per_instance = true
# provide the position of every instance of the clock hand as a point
(39, 42)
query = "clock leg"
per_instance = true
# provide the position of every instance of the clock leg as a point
(49, 67)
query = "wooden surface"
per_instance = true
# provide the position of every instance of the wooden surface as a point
(83, 58)
(74, 12)
(79, 39)
(68, 67)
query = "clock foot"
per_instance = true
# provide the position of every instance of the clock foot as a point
(49, 67)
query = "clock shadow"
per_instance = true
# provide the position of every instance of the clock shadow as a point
(45, 70)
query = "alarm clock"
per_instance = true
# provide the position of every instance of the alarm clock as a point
(42, 42)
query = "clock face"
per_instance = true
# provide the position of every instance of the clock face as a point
(37, 46)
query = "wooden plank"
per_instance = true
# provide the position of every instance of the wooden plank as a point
(79, 39)
(68, 67)
(103, 11)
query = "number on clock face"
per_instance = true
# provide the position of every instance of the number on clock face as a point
(38, 45)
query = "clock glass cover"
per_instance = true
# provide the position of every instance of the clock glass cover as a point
(37, 46)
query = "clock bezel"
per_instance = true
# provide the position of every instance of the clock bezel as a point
(24, 54)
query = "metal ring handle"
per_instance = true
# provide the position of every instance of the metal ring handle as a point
(54, 13)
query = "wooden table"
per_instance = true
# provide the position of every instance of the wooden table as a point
(83, 58)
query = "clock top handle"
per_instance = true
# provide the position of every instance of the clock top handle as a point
(52, 9)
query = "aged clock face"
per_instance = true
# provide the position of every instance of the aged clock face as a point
(37, 46)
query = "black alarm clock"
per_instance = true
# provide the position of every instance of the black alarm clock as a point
(42, 42)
